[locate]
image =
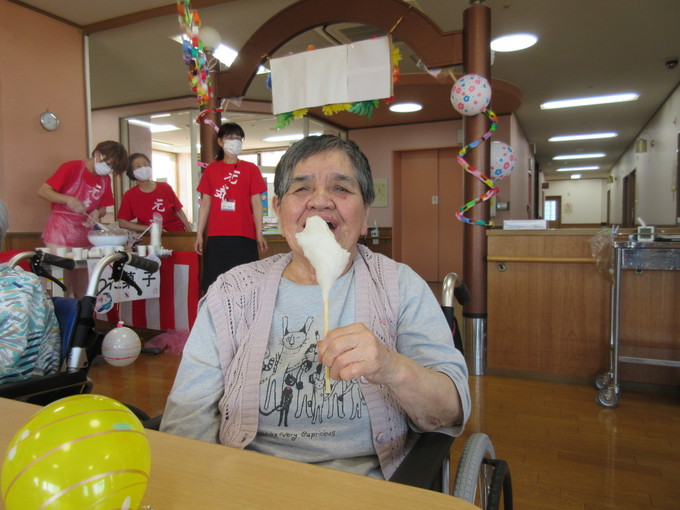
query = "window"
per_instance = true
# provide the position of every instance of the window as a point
(550, 210)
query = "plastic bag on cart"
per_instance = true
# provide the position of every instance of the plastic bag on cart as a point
(601, 249)
(171, 341)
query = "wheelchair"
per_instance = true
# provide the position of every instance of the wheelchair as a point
(80, 342)
(480, 479)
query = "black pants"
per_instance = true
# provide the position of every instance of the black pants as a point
(221, 253)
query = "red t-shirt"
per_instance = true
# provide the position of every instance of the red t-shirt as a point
(231, 187)
(64, 227)
(72, 178)
(139, 205)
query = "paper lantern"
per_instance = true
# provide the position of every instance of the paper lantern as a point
(84, 451)
(121, 346)
(471, 94)
(502, 161)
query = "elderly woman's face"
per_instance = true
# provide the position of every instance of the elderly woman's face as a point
(324, 185)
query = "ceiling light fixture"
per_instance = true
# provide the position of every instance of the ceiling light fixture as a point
(577, 168)
(405, 107)
(580, 156)
(513, 42)
(585, 136)
(588, 101)
(287, 138)
(154, 128)
(575, 176)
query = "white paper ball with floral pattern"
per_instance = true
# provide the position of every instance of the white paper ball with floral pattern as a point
(471, 94)
(501, 162)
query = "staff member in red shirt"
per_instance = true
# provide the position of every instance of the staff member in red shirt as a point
(77, 189)
(231, 208)
(148, 198)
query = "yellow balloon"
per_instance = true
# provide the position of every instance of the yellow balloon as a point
(84, 451)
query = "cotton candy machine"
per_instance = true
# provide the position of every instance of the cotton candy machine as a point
(111, 237)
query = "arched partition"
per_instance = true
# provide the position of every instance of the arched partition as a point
(434, 47)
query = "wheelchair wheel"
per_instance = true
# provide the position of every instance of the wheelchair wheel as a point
(473, 478)
(603, 380)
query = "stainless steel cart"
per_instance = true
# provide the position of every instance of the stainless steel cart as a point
(636, 255)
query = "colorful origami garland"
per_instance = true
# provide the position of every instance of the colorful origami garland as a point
(194, 53)
(493, 190)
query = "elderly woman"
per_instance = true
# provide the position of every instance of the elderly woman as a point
(252, 372)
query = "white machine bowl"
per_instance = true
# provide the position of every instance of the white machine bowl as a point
(108, 237)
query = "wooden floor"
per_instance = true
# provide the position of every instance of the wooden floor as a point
(565, 451)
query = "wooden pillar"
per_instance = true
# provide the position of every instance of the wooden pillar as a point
(476, 60)
(207, 133)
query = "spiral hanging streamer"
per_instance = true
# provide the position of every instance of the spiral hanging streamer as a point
(493, 190)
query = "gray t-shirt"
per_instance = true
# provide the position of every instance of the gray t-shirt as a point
(298, 419)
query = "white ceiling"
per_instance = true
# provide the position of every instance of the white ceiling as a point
(586, 47)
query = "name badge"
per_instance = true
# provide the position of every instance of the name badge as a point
(228, 205)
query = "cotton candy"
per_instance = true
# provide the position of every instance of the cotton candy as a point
(327, 257)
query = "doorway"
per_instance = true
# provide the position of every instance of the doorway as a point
(428, 190)
(552, 211)
(629, 200)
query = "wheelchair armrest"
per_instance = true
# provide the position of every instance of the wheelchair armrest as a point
(423, 463)
(45, 389)
(153, 423)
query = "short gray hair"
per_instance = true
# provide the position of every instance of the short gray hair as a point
(4, 221)
(313, 145)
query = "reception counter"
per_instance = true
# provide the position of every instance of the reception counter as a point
(549, 309)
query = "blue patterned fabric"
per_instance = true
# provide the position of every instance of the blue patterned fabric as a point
(29, 332)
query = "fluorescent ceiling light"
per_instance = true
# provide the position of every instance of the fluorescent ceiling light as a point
(585, 136)
(577, 168)
(155, 128)
(575, 176)
(406, 107)
(156, 142)
(159, 115)
(581, 156)
(287, 138)
(588, 101)
(513, 42)
(225, 54)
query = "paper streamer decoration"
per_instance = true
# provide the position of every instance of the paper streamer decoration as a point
(493, 190)
(84, 451)
(502, 161)
(471, 94)
(194, 53)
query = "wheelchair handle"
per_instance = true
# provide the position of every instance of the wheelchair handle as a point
(43, 258)
(454, 286)
(56, 260)
(142, 263)
(128, 258)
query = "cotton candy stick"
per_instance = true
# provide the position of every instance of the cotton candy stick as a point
(328, 259)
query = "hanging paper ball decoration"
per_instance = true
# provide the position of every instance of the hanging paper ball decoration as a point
(84, 451)
(471, 94)
(502, 161)
(121, 346)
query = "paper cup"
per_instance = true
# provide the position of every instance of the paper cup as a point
(61, 251)
(141, 250)
(44, 249)
(77, 253)
(153, 250)
(108, 250)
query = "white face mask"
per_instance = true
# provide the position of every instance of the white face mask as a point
(102, 168)
(233, 147)
(143, 173)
